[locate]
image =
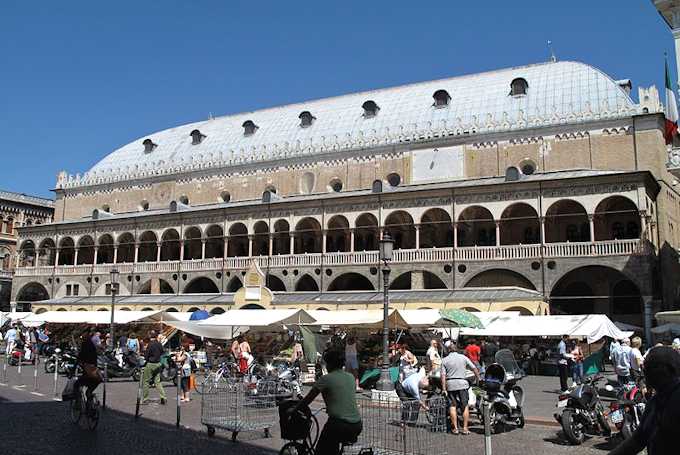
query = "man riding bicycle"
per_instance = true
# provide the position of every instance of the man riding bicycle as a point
(338, 390)
(87, 359)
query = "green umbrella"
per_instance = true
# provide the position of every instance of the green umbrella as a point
(462, 318)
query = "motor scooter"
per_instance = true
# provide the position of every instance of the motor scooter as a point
(108, 364)
(582, 412)
(501, 389)
(626, 412)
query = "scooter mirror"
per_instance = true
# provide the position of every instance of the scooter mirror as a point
(609, 388)
(57, 350)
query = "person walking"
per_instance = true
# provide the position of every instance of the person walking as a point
(577, 366)
(10, 339)
(433, 356)
(152, 368)
(352, 359)
(407, 362)
(454, 382)
(183, 360)
(473, 352)
(621, 361)
(563, 363)
(636, 359)
(246, 357)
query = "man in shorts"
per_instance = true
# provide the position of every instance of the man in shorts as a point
(454, 381)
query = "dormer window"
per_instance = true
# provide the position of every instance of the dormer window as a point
(370, 109)
(519, 87)
(441, 98)
(196, 137)
(249, 128)
(149, 146)
(306, 119)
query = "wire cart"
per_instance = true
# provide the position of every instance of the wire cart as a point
(393, 427)
(238, 406)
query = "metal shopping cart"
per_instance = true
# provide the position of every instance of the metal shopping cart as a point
(238, 406)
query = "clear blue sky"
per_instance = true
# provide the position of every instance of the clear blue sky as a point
(80, 78)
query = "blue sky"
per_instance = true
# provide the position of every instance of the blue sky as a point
(80, 78)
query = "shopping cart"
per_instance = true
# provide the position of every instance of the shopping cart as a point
(392, 427)
(238, 406)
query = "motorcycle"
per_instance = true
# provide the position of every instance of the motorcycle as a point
(582, 412)
(64, 360)
(626, 412)
(500, 388)
(284, 380)
(108, 363)
(18, 356)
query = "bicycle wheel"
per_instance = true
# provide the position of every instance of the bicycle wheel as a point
(293, 448)
(76, 409)
(92, 413)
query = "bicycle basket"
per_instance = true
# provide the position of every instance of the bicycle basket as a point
(296, 426)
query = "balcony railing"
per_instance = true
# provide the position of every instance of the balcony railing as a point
(425, 255)
(5, 275)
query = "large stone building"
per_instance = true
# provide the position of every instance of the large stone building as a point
(17, 210)
(548, 181)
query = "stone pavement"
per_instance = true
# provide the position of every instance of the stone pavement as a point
(36, 424)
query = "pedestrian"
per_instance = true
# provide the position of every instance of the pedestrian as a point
(236, 351)
(577, 365)
(454, 382)
(10, 339)
(97, 340)
(407, 362)
(489, 352)
(433, 356)
(298, 354)
(133, 344)
(533, 360)
(246, 358)
(152, 368)
(183, 361)
(621, 360)
(408, 392)
(636, 359)
(473, 352)
(352, 359)
(658, 428)
(563, 363)
(185, 341)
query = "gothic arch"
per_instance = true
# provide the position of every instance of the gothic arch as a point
(499, 278)
(306, 283)
(351, 282)
(201, 285)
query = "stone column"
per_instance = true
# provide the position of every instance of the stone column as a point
(250, 246)
(417, 226)
(75, 256)
(351, 240)
(203, 242)
(455, 235)
(292, 243)
(158, 251)
(643, 225)
(155, 286)
(56, 257)
(181, 250)
(226, 247)
(136, 252)
(648, 309)
(417, 281)
(96, 254)
(542, 221)
(498, 233)
(591, 221)
(323, 241)
(271, 244)
(115, 253)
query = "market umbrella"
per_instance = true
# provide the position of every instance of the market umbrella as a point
(199, 315)
(462, 318)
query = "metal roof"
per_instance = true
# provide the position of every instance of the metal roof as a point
(26, 199)
(558, 93)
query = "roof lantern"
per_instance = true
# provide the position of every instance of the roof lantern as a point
(249, 128)
(441, 98)
(370, 109)
(306, 119)
(519, 87)
(149, 146)
(196, 137)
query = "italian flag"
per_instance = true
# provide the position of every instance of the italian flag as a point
(671, 110)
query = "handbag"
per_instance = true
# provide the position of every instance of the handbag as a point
(69, 392)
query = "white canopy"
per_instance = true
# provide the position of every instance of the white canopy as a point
(258, 318)
(591, 326)
(89, 317)
(14, 316)
(668, 317)
(356, 318)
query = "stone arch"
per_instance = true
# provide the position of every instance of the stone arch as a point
(351, 282)
(308, 236)
(275, 283)
(30, 293)
(193, 308)
(417, 279)
(338, 236)
(499, 278)
(85, 250)
(148, 287)
(519, 224)
(67, 251)
(217, 310)
(214, 241)
(616, 218)
(399, 225)
(193, 243)
(252, 306)
(476, 227)
(40, 310)
(522, 310)
(566, 221)
(171, 310)
(597, 289)
(238, 240)
(148, 247)
(306, 283)
(436, 230)
(234, 284)
(470, 309)
(260, 239)
(126, 248)
(105, 249)
(170, 245)
(201, 285)
(46, 252)
(366, 233)
(281, 241)
(27, 254)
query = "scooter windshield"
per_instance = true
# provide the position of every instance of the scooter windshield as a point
(506, 359)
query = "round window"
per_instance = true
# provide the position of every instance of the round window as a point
(528, 167)
(225, 196)
(336, 185)
(184, 200)
(394, 179)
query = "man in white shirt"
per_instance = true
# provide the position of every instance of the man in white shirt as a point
(562, 363)
(621, 360)
(10, 340)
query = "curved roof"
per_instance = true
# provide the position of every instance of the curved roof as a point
(558, 93)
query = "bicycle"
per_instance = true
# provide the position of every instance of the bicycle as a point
(223, 373)
(84, 412)
(307, 444)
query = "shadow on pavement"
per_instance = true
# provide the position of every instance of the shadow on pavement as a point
(44, 427)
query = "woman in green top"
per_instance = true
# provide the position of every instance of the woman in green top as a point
(338, 390)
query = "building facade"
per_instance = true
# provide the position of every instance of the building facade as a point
(547, 178)
(17, 210)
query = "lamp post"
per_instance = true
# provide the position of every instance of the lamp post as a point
(114, 290)
(386, 247)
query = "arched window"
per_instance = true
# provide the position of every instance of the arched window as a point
(519, 87)
(249, 128)
(196, 137)
(370, 109)
(149, 146)
(306, 119)
(441, 98)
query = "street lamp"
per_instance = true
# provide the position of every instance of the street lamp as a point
(114, 290)
(386, 245)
